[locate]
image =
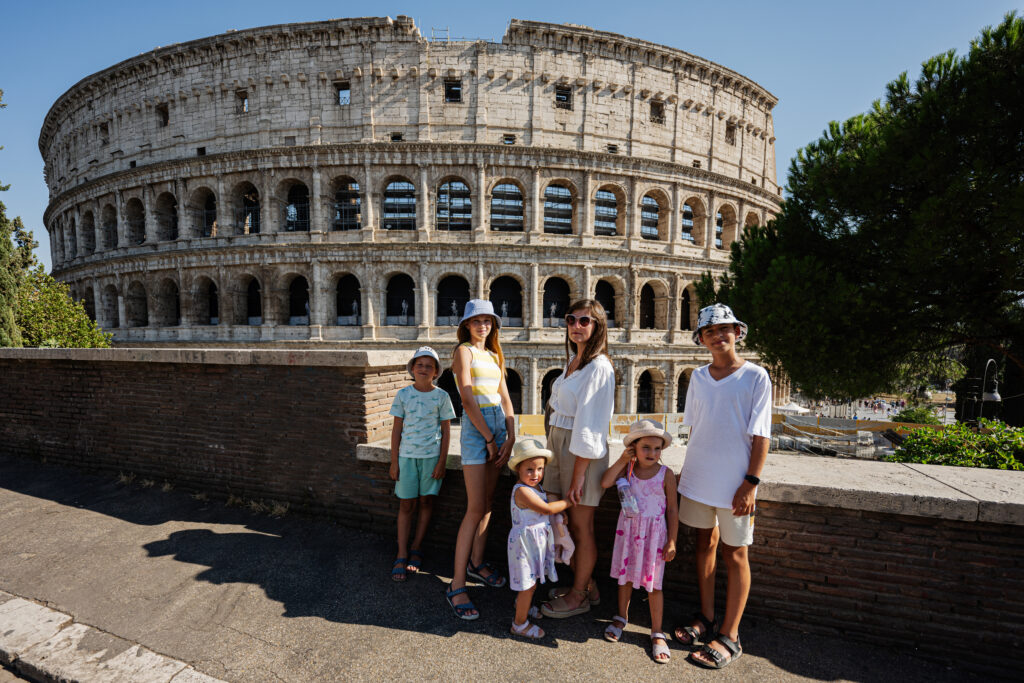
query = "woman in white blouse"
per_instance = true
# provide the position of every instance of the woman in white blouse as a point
(580, 411)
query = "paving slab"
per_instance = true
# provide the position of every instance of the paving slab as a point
(25, 624)
(1000, 493)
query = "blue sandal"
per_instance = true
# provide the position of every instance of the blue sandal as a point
(398, 570)
(415, 561)
(462, 611)
(494, 579)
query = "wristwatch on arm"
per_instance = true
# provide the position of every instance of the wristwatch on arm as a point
(752, 479)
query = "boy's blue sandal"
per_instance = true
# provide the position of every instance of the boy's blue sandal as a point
(462, 611)
(398, 569)
(494, 579)
(718, 660)
(415, 560)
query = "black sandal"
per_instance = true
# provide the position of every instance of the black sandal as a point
(718, 660)
(690, 635)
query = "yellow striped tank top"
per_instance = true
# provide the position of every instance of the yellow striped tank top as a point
(486, 376)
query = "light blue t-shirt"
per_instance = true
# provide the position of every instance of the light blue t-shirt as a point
(421, 412)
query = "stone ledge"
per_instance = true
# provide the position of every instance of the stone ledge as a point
(318, 357)
(957, 493)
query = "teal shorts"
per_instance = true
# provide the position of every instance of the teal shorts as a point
(414, 478)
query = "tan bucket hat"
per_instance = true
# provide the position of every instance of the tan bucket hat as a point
(525, 449)
(642, 428)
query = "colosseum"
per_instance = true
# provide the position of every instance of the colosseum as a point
(349, 183)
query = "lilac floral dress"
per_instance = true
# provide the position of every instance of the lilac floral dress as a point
(531, 546)
(640, 541)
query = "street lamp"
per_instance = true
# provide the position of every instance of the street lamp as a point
(988, 395)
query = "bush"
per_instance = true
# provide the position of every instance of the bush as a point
(996, 446)
(921, 415)
(49, 318)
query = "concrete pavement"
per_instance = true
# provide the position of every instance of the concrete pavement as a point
(236, 595)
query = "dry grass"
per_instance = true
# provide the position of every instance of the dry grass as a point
(167, 486)
(234, 501)
(199, 495)
(125, 478)
(278, 509)
(147, 483)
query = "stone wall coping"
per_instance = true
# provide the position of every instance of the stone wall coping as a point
(320, 357)
(956, 493)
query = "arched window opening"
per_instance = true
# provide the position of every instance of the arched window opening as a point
(88, 233)
(545, 387)
(109, 224)
(247, 209)
(213, 305)
(645, 393)
(557, 209)
(605, 295)
(400, 306)
(646, 307)
(682, 386)
(296, 209)
(89, 303)
(507, 297)
(136, 309)
(649, 217)
(447, 382)
(686, 230)
(606, 213)
(72, 238)
(204, 213)
(684, 311)
(719, 229)
(452, 295)
(348, 300)
(135, 221)
(399, 206)
(507, 208)
(254, 303)
(167, 311)
(556, 302)
(454, 206)
(109, 307)
(298, 301)
(166, 217)
(514, 384)
(347, 214)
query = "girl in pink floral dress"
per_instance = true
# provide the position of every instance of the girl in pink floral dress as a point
(646, 540)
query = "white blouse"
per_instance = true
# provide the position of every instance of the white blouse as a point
(583, 402)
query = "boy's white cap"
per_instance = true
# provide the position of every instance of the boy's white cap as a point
(642, 428)
(717, 314)
(524, 449)
(424, 351)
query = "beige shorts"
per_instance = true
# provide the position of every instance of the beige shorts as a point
(735, 531)
(558, 472)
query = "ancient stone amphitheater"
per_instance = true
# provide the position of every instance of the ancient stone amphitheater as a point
(351, 183)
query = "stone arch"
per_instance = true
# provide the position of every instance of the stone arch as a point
(693, 219)
(454, 205)
(559, 197)
(682, 386)
(398, 204)
(167, 303)
(507, 206)
(346, 204)
(57, 239)
(688, 307)
(653, 305)
(203, 205)
(654, 215)
(88, 233)
(557, 297)
(72, 237)
(514, 384)
(725, 226)
(506, 293)
(752, 220)
(293, 196)
(610, 210)
(609, 293)
(109, 310)
(245, 205)
(248, 300)
(166, 214)
(452, 294)
(205, 301)
(136, 307)
(650, 391)
(348, 300)
(88, 299)
(297, 303)
(108, 221)
(400, 300)
(547, 380)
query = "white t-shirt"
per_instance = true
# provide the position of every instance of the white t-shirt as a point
(724, 416)
(583, 402)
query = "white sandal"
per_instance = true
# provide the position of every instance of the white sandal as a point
(534, 613)
(612, 633)
(661, 649)
(527, 630)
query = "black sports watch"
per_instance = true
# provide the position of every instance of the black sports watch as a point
(752, 479)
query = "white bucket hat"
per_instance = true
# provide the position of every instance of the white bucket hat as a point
(524, 449)
(642, 428)
(717, 314)
(476, 307)
(424, 351)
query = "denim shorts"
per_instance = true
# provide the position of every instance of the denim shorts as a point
(472, 442)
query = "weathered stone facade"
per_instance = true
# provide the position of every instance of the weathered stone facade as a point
(348, 183)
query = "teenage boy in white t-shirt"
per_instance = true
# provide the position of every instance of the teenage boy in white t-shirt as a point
(728, 409)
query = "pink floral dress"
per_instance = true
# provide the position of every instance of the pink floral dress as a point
(640, 541)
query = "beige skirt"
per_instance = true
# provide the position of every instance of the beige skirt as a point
(558, 472)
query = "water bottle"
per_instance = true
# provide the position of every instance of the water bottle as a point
(626, 498)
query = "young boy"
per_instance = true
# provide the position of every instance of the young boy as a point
(419, 451)
(728, 409)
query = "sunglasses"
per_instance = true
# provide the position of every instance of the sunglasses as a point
(583, 320)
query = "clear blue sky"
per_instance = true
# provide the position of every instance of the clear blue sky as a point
(825, 60)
